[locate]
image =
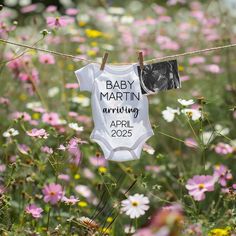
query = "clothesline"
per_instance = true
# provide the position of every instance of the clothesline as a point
(165, 58)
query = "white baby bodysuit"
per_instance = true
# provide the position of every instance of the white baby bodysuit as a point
(119, 110)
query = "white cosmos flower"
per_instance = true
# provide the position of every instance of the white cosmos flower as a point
(192, 113)
(221, 130)
(169, 114)
(149, 149)
(233, 143)
(129, 229)
(53, 91)
(84, 101)
(207, 137)
(32, 105)
(135, 205)
(185, 102)
(10, 133)
(75, 127)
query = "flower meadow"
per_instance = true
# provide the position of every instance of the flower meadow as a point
(55, 181)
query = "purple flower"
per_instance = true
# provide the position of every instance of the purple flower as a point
(223, 174)
(199, 184)
(52, 193)
(34, 210)
(38, 133)
(46, 59)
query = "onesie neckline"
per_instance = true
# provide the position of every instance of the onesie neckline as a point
(118, 69)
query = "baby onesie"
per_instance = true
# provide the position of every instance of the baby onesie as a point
(119, 110)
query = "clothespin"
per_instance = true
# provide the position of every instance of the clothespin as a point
(104, 60)
(140, 59)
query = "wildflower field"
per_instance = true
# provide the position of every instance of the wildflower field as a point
(54, 180)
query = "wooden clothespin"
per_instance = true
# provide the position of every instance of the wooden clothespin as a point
(140, 59)
(104, 60)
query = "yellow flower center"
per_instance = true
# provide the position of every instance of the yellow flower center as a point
(134, 204)
(52, 193)
(201, 186)
(189, 113)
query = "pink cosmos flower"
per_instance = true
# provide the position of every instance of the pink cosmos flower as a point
(4, 101)
(51, 118)
(74, 150)
(88, 173)
(159, 9)
(33, 75)
(72, 85)
(72, 11)
(164, 19)
(84, 119)
(2, 167)
(84, 191)
(185, 78)
(223, 174)
(213, 68)
(53, 193)
(174, 2)
(24, 149)
(223, 149)
(98, 161)
(70, 201)
(64, 177)
(167, 43)
(51, 8)
(145, 232)
(24, 115)
(38, 133)
(5, 29)
(199, 15)
(29, 8)
(34, 210)
(199, 184)
(55, 22)
(196, 60)
(46, 59)
(190, 142)
(152, 168)
(46, 149)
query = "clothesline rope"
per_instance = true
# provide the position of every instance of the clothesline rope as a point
(165, 58)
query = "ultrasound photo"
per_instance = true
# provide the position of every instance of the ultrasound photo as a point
(159, 76)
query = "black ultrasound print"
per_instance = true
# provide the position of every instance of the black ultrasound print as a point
(159, 76)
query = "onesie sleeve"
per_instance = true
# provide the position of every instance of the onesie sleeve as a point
(85, 77)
